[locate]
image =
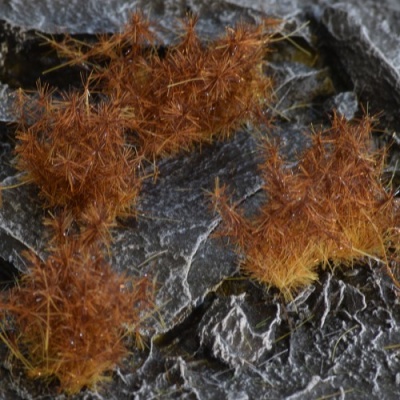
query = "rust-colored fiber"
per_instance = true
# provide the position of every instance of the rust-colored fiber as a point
(71, 311)
(70, 314)
(75, 152)
(330, 208)
(192, 93)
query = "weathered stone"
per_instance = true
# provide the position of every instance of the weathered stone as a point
(364, 47)
(339, 338)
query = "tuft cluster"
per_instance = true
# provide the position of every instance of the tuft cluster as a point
(70, 312)
(191, 94)
(331, 208)
(76, 153)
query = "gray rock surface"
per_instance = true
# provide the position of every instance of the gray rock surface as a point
(364, 42)
(6, 106)
(214, 336)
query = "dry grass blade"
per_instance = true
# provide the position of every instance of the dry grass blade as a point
(193, 93)
(331, 208)
(70, 313)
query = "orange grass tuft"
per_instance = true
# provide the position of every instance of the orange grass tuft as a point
(75, 152)
(72, 311)
(70, 314)
(331, 208)
(192, 94)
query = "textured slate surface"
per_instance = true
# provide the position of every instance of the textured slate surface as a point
(364, 43)
(230, 339)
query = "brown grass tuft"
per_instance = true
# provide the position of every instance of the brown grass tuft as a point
(331, 208)
(70, 314)
(193, 93)
(75, 152)
(71, 311)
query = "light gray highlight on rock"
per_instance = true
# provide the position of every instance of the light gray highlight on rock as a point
(72, 16)
(344, 103)
(20, 222)
(7, 99)
(298, 86)
(108, 16)
(366, 42)
(229, 334)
